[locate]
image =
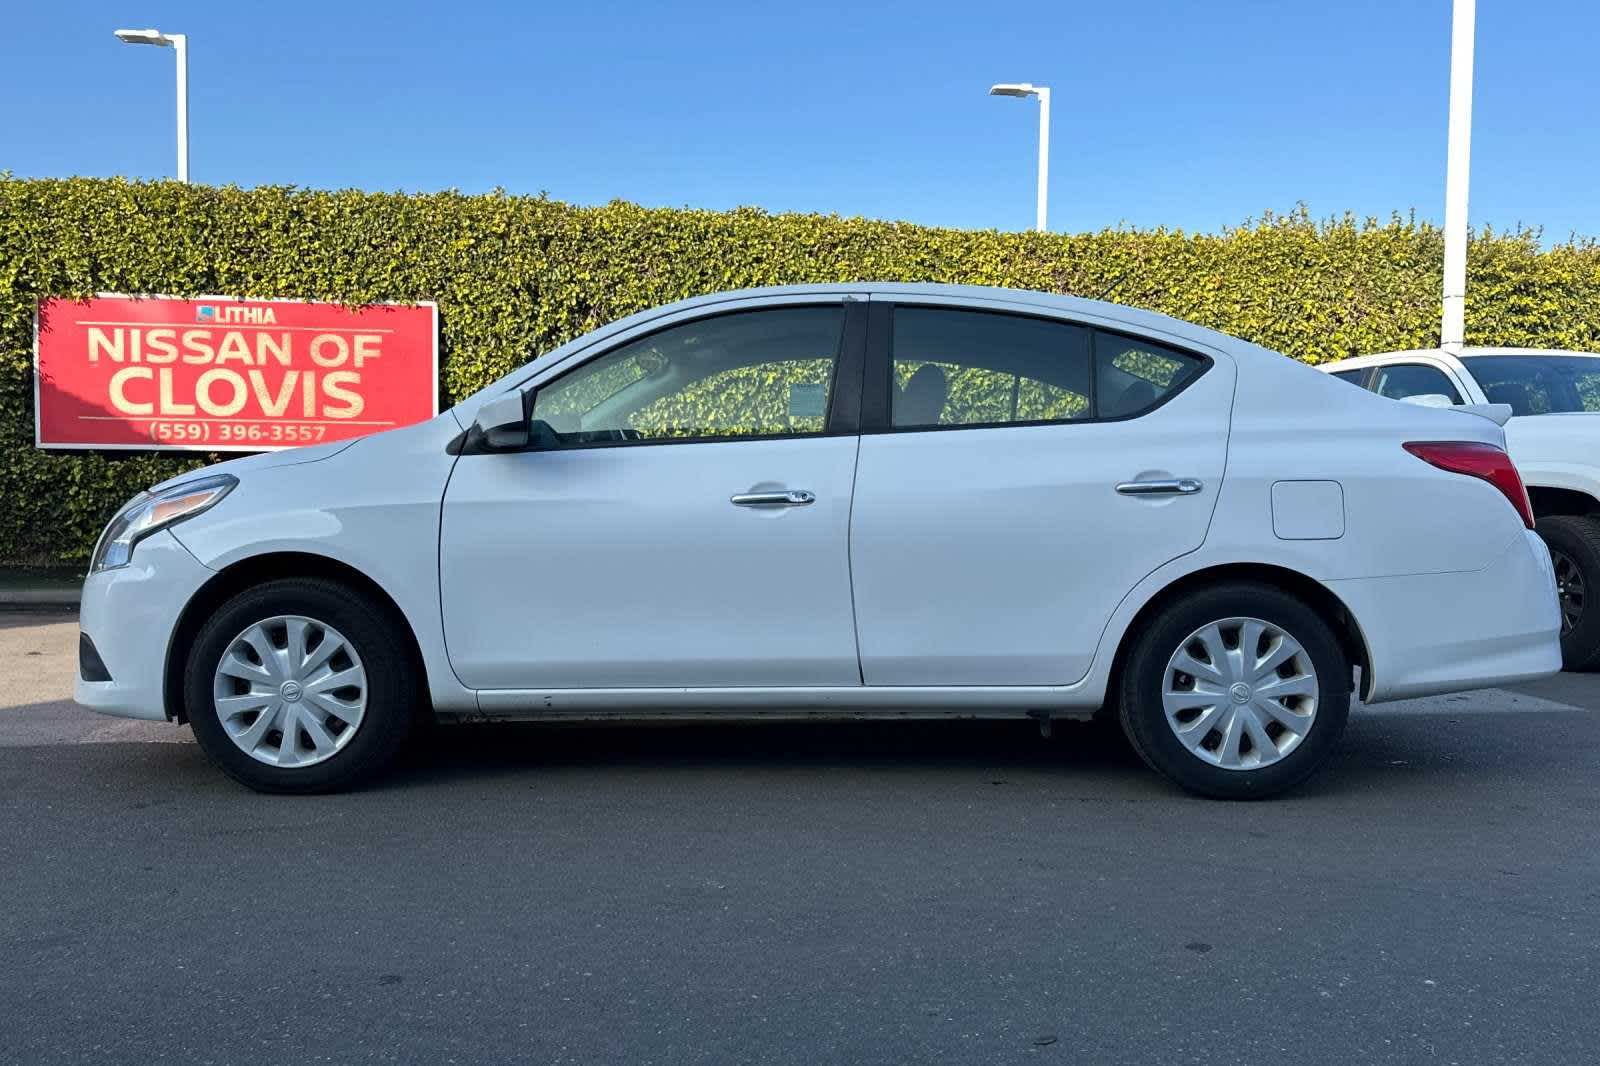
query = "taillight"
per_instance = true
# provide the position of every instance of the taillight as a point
(1477, 460)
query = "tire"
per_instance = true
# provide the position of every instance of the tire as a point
(1248, 771)
(1574, 543)
(369, 680)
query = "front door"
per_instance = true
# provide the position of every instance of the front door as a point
(682, 520)
(990, 541)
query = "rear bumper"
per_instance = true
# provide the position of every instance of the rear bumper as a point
(1432, 633)
(129, 615)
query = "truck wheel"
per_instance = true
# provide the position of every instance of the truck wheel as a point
(1574, 543)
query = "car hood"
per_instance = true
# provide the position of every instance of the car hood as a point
(315, 453)
(264, 461)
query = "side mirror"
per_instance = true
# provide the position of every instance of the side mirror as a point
(1429, 399)
(502, 423)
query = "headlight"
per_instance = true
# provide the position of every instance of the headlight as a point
(148, 512)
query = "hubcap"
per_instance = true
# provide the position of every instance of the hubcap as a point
(1240, 693)
(290, 691)
(1570, 590)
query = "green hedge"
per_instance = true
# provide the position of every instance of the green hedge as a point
(516, 275)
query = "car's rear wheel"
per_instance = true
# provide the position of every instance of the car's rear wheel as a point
(1574, 543)
(1235, 692)
(300, 685)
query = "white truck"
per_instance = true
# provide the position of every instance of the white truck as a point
(1553, 436)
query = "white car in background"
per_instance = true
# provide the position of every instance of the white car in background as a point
(1553, 436)
(839, 501)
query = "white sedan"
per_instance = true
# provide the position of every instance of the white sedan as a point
(1552, 435)
(858, 500)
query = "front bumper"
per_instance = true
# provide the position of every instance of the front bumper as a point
(129, 614)
(1433, 633)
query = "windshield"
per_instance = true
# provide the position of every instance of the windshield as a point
(1538, 384)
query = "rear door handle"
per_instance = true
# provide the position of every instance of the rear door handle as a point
(1181, 486)
(784, 498)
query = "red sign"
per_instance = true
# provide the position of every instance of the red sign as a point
(220, 374)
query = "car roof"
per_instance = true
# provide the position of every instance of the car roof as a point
(1135, 318)
(1527, 351)
(1380, 358)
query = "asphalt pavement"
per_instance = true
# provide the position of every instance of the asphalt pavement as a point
(953, 892)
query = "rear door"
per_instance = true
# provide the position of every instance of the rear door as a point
(1018, 475)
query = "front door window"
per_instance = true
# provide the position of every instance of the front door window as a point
(748, 375)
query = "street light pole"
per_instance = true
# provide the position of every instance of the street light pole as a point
(1023, 90)
(179, 44)
(1458, 166)
(1044, 157)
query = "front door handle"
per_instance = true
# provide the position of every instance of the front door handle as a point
(1180, 486)
(783, 498)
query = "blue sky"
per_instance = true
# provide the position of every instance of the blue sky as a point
(1191, 115)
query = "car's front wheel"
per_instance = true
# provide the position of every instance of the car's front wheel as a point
(300, 685)
(1235, 692)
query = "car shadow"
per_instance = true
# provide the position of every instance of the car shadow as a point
(1393, 755)
(1393, 760)
(454, 751)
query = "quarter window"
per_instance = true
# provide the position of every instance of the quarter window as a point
(979, 368)
(750, 374)
(1132, 376)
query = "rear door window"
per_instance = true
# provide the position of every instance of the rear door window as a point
(982, 368)
(1413, 379)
